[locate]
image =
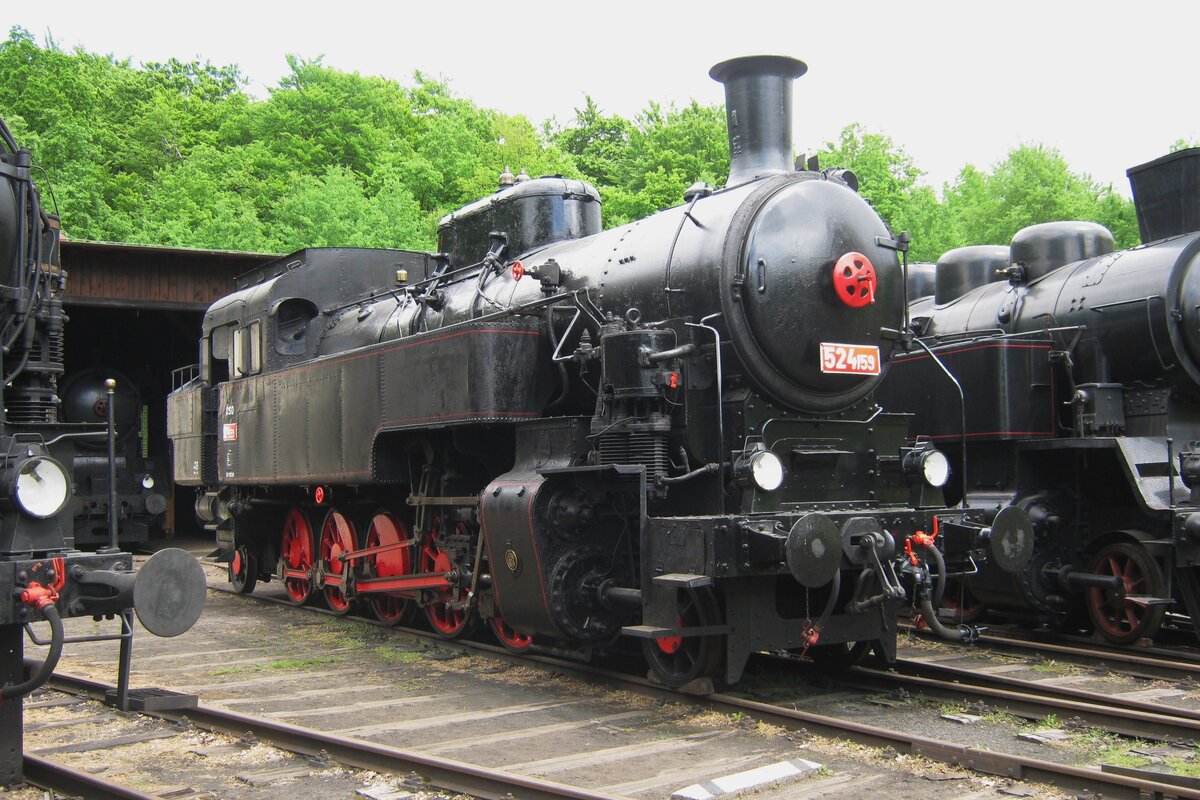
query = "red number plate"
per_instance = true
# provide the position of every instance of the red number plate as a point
(852, 359)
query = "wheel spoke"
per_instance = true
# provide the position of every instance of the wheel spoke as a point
(297, 550)
(386, 529)
(1116, 618)
(337, 537)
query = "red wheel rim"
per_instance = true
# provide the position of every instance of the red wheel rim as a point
(447, 621)
(671, 644)
(958, 598)
(296, 550)
(337, 537)
(1122, 618)
(509, 637)
(387, 529)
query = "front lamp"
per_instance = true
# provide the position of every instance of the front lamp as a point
(760, 468)
(41, 487)
(929, 465)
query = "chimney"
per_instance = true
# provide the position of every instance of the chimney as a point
(758, 112)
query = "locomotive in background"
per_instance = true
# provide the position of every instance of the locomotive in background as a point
(143, 483)
(42, 577)
(663, 431)
(1080, 374)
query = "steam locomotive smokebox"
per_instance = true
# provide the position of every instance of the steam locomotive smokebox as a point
(532, 214)
(1166, 194)
(965, 268)
(1046, 247)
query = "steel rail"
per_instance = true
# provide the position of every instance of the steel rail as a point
(1111, 785)
(967, 677)
(1125, 717)
(455, 776)
(1158, 661)
(61, 779)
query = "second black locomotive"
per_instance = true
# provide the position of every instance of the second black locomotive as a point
(1079, 368)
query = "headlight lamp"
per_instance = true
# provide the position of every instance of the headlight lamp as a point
(41, 487)
(935, 468)
(760, 468)
(928, 464)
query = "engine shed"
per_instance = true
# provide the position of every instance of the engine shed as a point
(136, 311)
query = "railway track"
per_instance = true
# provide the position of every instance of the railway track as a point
(1128, 721)
(60, 779)
(442, 773)
(575, 730)
(1160, 662)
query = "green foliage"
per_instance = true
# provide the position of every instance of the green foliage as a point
(643, 166)
(176, 153)
(1032, 185)
(888, 180)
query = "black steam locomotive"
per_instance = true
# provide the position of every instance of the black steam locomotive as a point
(42, 577)
(143, 484)
(663, 431)
(1079, 370)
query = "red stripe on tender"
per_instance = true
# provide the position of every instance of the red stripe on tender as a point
(951, 352)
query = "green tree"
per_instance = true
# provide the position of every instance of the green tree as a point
(643, 166)
(1033, 184)
(887, 178)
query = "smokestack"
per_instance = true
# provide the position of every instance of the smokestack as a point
(758, 112)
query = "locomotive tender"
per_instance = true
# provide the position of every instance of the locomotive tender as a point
(42, 576)
(1080, 368)
(663, 431)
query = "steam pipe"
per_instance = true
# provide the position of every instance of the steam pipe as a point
(960, 633)
(43, 673)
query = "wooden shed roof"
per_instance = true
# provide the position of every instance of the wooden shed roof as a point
(147, 276)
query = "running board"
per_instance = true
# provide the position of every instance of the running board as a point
(1146, 601)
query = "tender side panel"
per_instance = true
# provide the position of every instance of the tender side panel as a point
(186, 430)
(1008, 386)
(318, 422)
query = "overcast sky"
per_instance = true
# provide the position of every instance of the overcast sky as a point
(1108, 84)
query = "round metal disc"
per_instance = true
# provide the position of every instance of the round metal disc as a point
(1012, 539)
(814, 550)
(169, 592)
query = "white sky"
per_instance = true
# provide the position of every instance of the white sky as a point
(1106, 83)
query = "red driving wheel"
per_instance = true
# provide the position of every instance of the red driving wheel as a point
(446, 620)
(1117, 618)
(243, 570)
(387, 529)
(337, 537)
(296, 552)
(511, 638)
